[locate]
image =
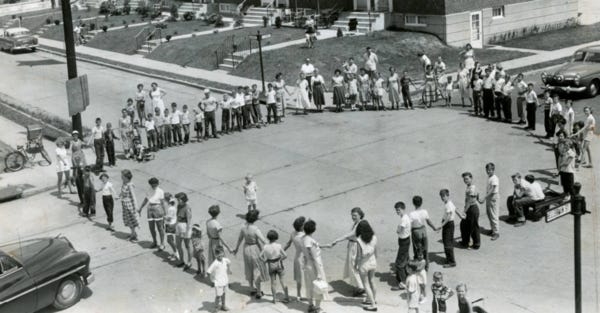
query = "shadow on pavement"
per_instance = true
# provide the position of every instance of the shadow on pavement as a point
(434, 257)
(387, 277)
(342, 287)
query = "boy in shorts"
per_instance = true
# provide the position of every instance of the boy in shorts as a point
(198, 249)
(219, 271)
(274, 255)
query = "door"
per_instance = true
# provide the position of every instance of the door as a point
(361, 5)
(476, 30)
(17, 289)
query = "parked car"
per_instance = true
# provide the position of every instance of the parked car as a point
(18, 38)
(581, 75)
(41, 272)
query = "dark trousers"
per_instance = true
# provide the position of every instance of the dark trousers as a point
(272, 110)
(419, 241)
(110, 152)
(246, 115)
(548, 124)
(89, 201)
(520, 101)
(209, 120)
(402, 258)
(176, 129)
(238, 118)
(406, 97)
(531, 107)
(488, 102)
(186, 133)
(109, 203)
(448, 240)
(507, 108)
(160, 136)
(567, 180)
(521, 207)
(167, 135)
(477, 101)
(225, 120)
(469, 227)
(78, 176)
(256, 114)
(498, 104)
(151, 134)
(99, 148)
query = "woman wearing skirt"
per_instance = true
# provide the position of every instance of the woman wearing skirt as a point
(318, 88)
(129, 203)
(296, 238)
(393, 87)
(337, 82)
(126, 131)
(303, 97)
(314, 272)
(255, 269)
(281, 89)
(364, 89)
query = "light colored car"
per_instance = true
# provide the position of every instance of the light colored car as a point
(580, 76)
(18, 38)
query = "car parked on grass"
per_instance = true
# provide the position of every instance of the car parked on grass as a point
(18, 38)
(580, 76)
(41, 272)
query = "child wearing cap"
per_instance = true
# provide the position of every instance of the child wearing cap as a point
(198, 248)
(250, 189)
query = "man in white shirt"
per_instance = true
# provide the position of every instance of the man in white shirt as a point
(308, 70)
(531, 99)
(521, 91)
(236, 107)
(424, 60)
(402, 257)
(176, 124)
(209, 106)
(488, 92)
(491, 200)
(371, 61)
(527, 193)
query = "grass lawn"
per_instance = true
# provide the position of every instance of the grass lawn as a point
(199, 52)
(398, 49)
(33, 23)
(557, 39)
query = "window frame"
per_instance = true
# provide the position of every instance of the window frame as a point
(12, 270)
(502, 9)
(417, 22)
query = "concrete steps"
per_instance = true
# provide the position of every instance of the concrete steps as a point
(148, 47)
(255, 15)
(374, 21)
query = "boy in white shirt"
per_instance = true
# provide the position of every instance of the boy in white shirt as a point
(569, 115)
(448, 227)
(151, 132)
(491, 200)
(273, 254)
(199, 120)
(271, 104)
(531, 99)
(226, 114)
(477, 96)
(250, 189)
(555, 114)
(219, 271)
(402, 257)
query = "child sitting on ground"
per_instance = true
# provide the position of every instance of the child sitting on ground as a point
(219, 271)
(440, 294)
(274, 255)
(198, 249)
(141, 153)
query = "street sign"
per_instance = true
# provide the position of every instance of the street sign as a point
(78, 95)
(557, 210)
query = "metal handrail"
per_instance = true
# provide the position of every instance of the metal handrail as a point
(141, 36)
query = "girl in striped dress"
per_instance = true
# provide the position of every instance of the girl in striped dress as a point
(254, 268)
(297, 238)
(338, 90)
(129, 203)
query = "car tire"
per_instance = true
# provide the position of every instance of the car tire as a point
(592, 89)
(68, 292)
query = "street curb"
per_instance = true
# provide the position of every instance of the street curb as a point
(53, 130)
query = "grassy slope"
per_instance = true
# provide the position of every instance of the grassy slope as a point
(200, 51)
(398, 49)
(557, 39)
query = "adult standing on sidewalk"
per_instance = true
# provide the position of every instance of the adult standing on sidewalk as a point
(183, 230)
(156, 94)
(492, 205)
(350, 270)
(521, 92)
(155, 198)
(308, 70)
(209, 106)
(314, 271)
(97, 138)
(63, 166)
(371, 61)
(255, 269)
(588, 134)
(129, 204)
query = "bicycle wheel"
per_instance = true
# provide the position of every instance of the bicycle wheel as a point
(14, 161)
(45, 155)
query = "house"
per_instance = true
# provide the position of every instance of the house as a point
(479, 22)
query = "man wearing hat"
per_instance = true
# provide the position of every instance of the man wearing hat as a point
(209, 106)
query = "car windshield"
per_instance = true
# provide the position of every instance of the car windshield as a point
(586, 56)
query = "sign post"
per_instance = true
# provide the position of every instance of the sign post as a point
(70, 52)
(259, 37)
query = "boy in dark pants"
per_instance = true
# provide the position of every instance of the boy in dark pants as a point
(448, 227)
(89, 194)
(469, 227)
(418, 218)
(98, 140)
(109, 141)
(108, 201)
(405, 82)
(532, 105)
(271, 104)
(225, 114)
(402, 257)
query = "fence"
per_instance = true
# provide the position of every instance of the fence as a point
(236, 49)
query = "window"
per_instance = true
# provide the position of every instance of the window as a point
(414, 20)
(498, 12)
(7, 265)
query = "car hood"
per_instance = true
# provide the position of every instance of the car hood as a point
(581, 68)
(37, 254)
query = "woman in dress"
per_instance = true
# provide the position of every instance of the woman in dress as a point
(156, 94)
(393, 88)
(129, 204)
(63, 166)
(125, 128)
(364, 89)
(337, 81)
(303, 99)
(140, 101)
(378, 92)
(183, 230)
(463, 84)
(468, 57)
(213, 231)
(318, 88)
(297, 238)
(429, 90)
(350, 271)
(314, 271)
(366, 262)
(254, 268)
(281, 89)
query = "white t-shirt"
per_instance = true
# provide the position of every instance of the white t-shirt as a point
(534, 190)
(449, 211)
(271, 96)
(493, 184)
(171, 216)
(250, 190)
(218, 272)
(149, 124)
(107, 189)
(531, 97)
(555, 108)
(307, 69)
(185, 117)
(425, 60)
(97, 132)
(226, 104)
(404, 227)
(176, 117)
(418, 218)
(371, 61)
(155, 196)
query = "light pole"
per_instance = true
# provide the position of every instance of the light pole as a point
(262, 69)
(578, 208)
(70, 53)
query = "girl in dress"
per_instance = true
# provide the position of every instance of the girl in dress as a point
(337, 81)
(393, 88)
(350, 271)
(429, 91)
(468, 56)
(378, 92)
(213, 232)
(318, 88)
(156, 94)
(296, 238)
(366, 261)
(352, 91)
(63, 166)
(126, 132)
(364, 89)
(129, 204)
(140, 100)
(303, 100)
(314, 272)
(463, 85)
(253, 242)
(280, 88)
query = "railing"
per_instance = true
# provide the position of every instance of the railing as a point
(140, 37)
(156, 34)
(243, 7)
(234, 48)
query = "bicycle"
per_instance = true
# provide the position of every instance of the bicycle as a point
(16, 160)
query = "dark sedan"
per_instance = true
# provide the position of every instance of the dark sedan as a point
(581, 75)
(41, 272)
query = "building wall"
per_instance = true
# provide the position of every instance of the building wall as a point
(23, 7)
(323, 4)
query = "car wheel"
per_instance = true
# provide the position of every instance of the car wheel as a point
(68, 293)
(592, 89)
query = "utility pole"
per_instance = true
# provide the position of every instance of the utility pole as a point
(70, 52)
(262, 69)
(578, 208)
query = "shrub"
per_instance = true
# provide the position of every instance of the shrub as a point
(168, 38)
(339, 32)
(48, 20)
(265, 21)
(92, 26)
(105, 7)
(216, 31)
(104, 28)
(126, 9)
(56, 22)
(352, 24)
(175, 33)
(193, 35)
(188, 16)
(132, 21)
(142, 9)
(112, 25)
(278, 22)
(219, 21)
(174, 11)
